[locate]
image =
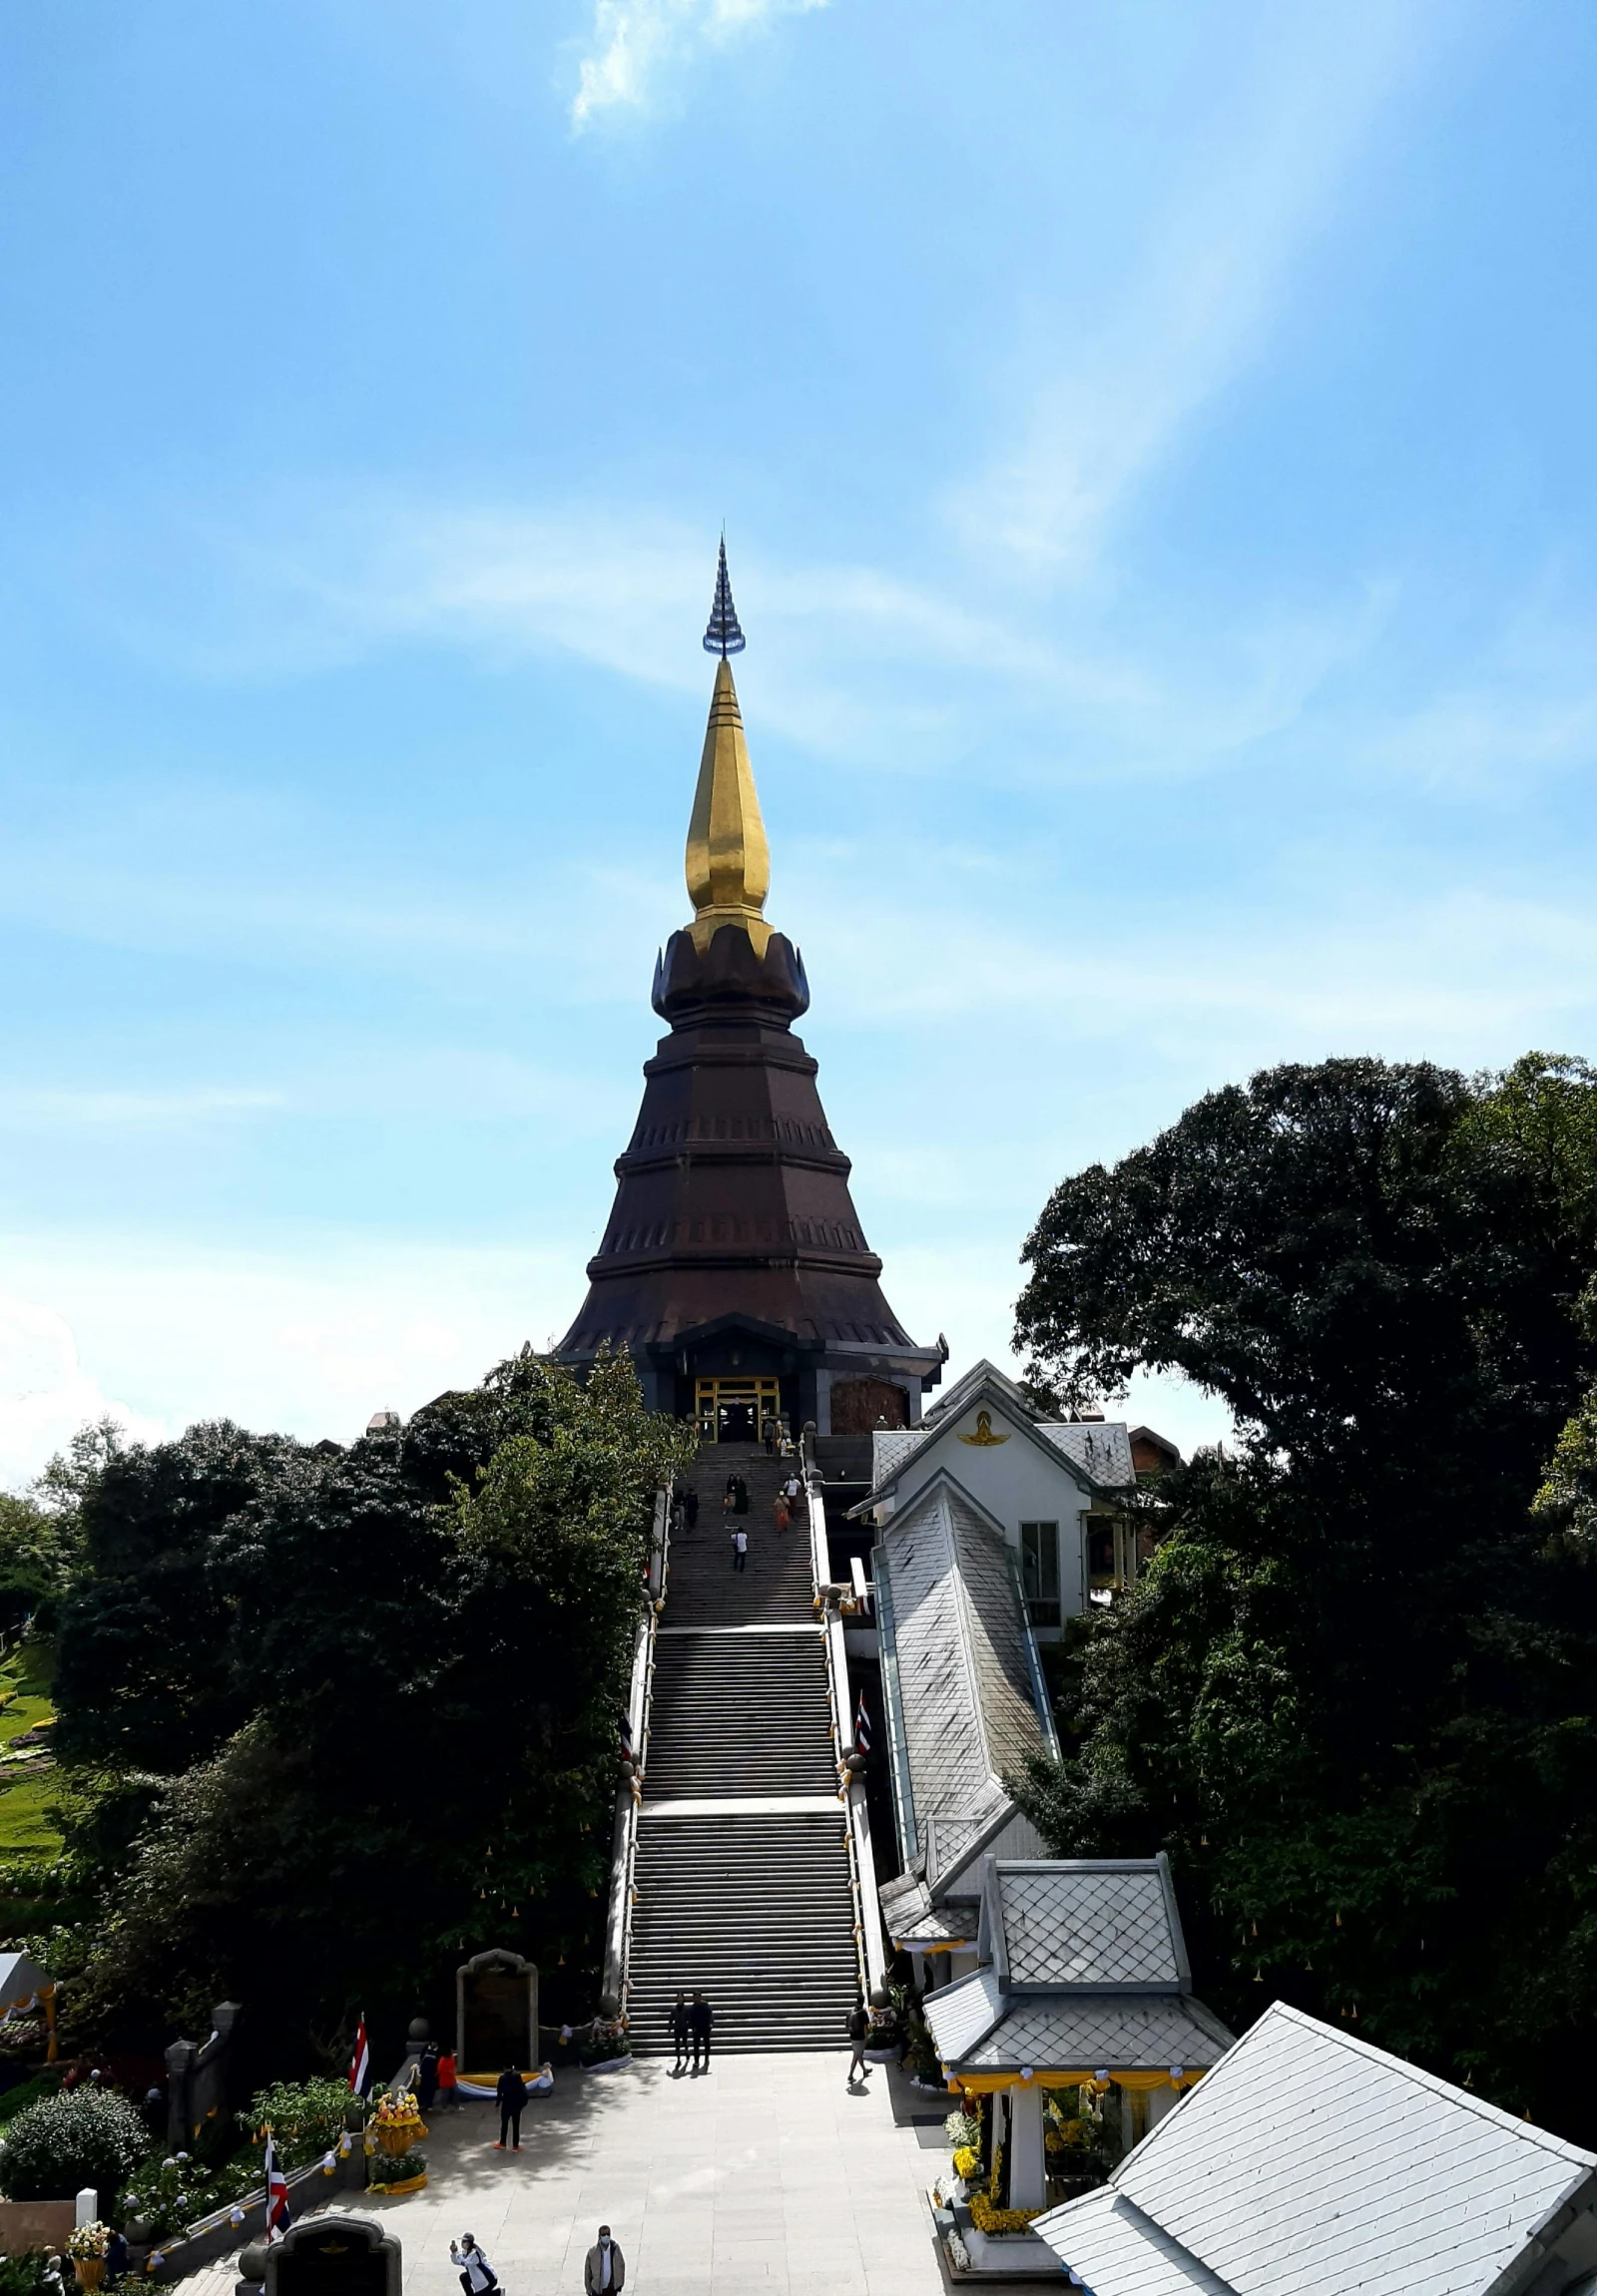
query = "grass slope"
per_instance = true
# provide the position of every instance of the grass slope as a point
(27, 1830)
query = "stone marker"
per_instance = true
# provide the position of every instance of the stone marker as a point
(335, 2256)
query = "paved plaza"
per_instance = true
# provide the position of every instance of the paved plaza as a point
(762, 2175)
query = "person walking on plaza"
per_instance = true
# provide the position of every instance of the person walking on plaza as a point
(699, 2020)
(448, 2082)
(477, 2275)
(789, 1491)
(605, 2271)
(740, 1549)
(681, 2032)
(512, 2095)
(857, 2026)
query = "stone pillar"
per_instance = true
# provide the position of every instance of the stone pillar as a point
(1027, 2171)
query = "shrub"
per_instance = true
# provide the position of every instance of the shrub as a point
(23, 2274)
(399, 2169)
(170, 2194)
(305, 2117)
(79, 2136)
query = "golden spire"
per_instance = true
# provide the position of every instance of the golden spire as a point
(729, 861)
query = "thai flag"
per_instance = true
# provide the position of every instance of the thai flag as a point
(361, 2062)
(277, 2195)
(861, 1728)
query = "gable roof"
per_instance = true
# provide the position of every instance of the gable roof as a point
(1096, 1451)
(1309, 2163)
(1082, 1966)
(961, 1679)
(981, 1374)
(1078, 1925)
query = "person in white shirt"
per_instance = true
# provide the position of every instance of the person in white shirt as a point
(477, 2275)
(605, 2273)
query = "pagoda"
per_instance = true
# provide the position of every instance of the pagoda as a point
(733, 1271)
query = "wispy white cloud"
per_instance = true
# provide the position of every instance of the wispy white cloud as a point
(1237, 217)
(634, 43)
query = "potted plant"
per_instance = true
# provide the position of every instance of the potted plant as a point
(87, 2245)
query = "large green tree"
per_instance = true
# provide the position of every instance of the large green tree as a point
(1355, 1695)
(403, 1736)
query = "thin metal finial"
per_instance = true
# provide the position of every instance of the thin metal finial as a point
(724, 636)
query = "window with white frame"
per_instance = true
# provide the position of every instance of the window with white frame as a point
(1039, 1571)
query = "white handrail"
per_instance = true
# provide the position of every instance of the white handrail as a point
(624, 1839)
(869, 1945)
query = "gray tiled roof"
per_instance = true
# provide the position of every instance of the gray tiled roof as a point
(1087, 1925)
(982, 1373)
(960, 2013)
(1077, 2033)
(961, 1644)
(889, 1447)
(1114, 2247)
(1310, 2161)
(1100, 1447)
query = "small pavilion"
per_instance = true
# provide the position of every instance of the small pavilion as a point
(1082, 1981)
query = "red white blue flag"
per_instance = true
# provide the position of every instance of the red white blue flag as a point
(861, 1728)
(277, 2195)
(361, 2062)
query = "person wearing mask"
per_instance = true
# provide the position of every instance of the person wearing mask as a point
(477, 2275)
(604, 2272)
(512, 2094)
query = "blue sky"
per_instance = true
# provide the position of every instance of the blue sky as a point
(1156, 449)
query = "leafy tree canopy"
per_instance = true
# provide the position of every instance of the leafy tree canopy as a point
(1354, 1693)
(372, 1714)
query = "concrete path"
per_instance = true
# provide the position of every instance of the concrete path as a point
(762, 2175)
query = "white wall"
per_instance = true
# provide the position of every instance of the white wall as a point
(1019, 1482)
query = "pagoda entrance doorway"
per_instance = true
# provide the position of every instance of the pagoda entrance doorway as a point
(735, 1410)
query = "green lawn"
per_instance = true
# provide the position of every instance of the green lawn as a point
(26, 1831)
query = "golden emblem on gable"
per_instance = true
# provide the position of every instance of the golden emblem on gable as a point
(984, 1435)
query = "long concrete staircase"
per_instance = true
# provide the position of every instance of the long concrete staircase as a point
(742, 1867)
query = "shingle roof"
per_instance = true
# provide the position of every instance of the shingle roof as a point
(1117, 2250)
(1101, 1448)
(1076, 2032)
(1308, 2164)
(961, 1649)
(982, 1373)
(1081, 1923)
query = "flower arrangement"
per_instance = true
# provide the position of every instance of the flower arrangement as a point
(395, 2123)
(963, 2129)
(88, 2241)
(990, 2219)
(966, 2161)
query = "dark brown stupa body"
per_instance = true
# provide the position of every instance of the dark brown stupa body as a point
(733, 1268)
